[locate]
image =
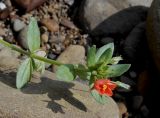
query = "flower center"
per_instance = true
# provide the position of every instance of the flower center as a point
(104, 87)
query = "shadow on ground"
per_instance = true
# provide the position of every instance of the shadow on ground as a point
(56, 90)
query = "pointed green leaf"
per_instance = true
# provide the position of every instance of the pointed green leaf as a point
(33, 35)
(99, 98)
(106, 56)
(24, 73)
(126, 86)
(115, 60)
(91, 56)
(103, 49)
(117, 70)
(91, 82)
(79, 70)
(65, 72)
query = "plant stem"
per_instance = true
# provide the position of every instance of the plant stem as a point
(29, 54)
(46, 60)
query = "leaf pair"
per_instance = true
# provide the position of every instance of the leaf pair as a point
(29, 65)
(103, 55)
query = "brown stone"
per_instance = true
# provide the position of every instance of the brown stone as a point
(51, 24)
(68, 24)
(122, 109)
(29, 5)
(4, 13)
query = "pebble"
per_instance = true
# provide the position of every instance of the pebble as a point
(4, 13)
(2, 32)
(137, 102)
(44, 37)
(69, 2)
(51, 24)
(52, 56)
(133, 74)
(18, 25)
(2, 6)
(8, 3)
(122, 109)
(22, 37)
(68, 24)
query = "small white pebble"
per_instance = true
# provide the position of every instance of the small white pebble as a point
(2, 6)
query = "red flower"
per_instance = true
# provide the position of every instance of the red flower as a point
(104, 86)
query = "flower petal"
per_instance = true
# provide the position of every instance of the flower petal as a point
(109, 92)
(112, 86)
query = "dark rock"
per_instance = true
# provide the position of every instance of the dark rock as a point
(127, 80)
(133, 74)
(106, 17)
(121, 23)
(106, 40)
(135, 46)
(137, 102)
(145, 111)
(153, 32)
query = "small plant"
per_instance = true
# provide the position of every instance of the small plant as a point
(99, 70)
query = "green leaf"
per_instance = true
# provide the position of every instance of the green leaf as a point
(91, 56)
(115, 60)
(65, 72)
(91, 82)
(106, 56)
(126, 86)
(117, 70)
(99, 98)
(37, 64)
(79, 70)
(103, 49)
(33, 35)
(24, 73)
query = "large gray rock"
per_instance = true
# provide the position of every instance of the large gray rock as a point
(50, 98)
(107, 16)
(153, 31)
(140, 2)
(47, 97)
